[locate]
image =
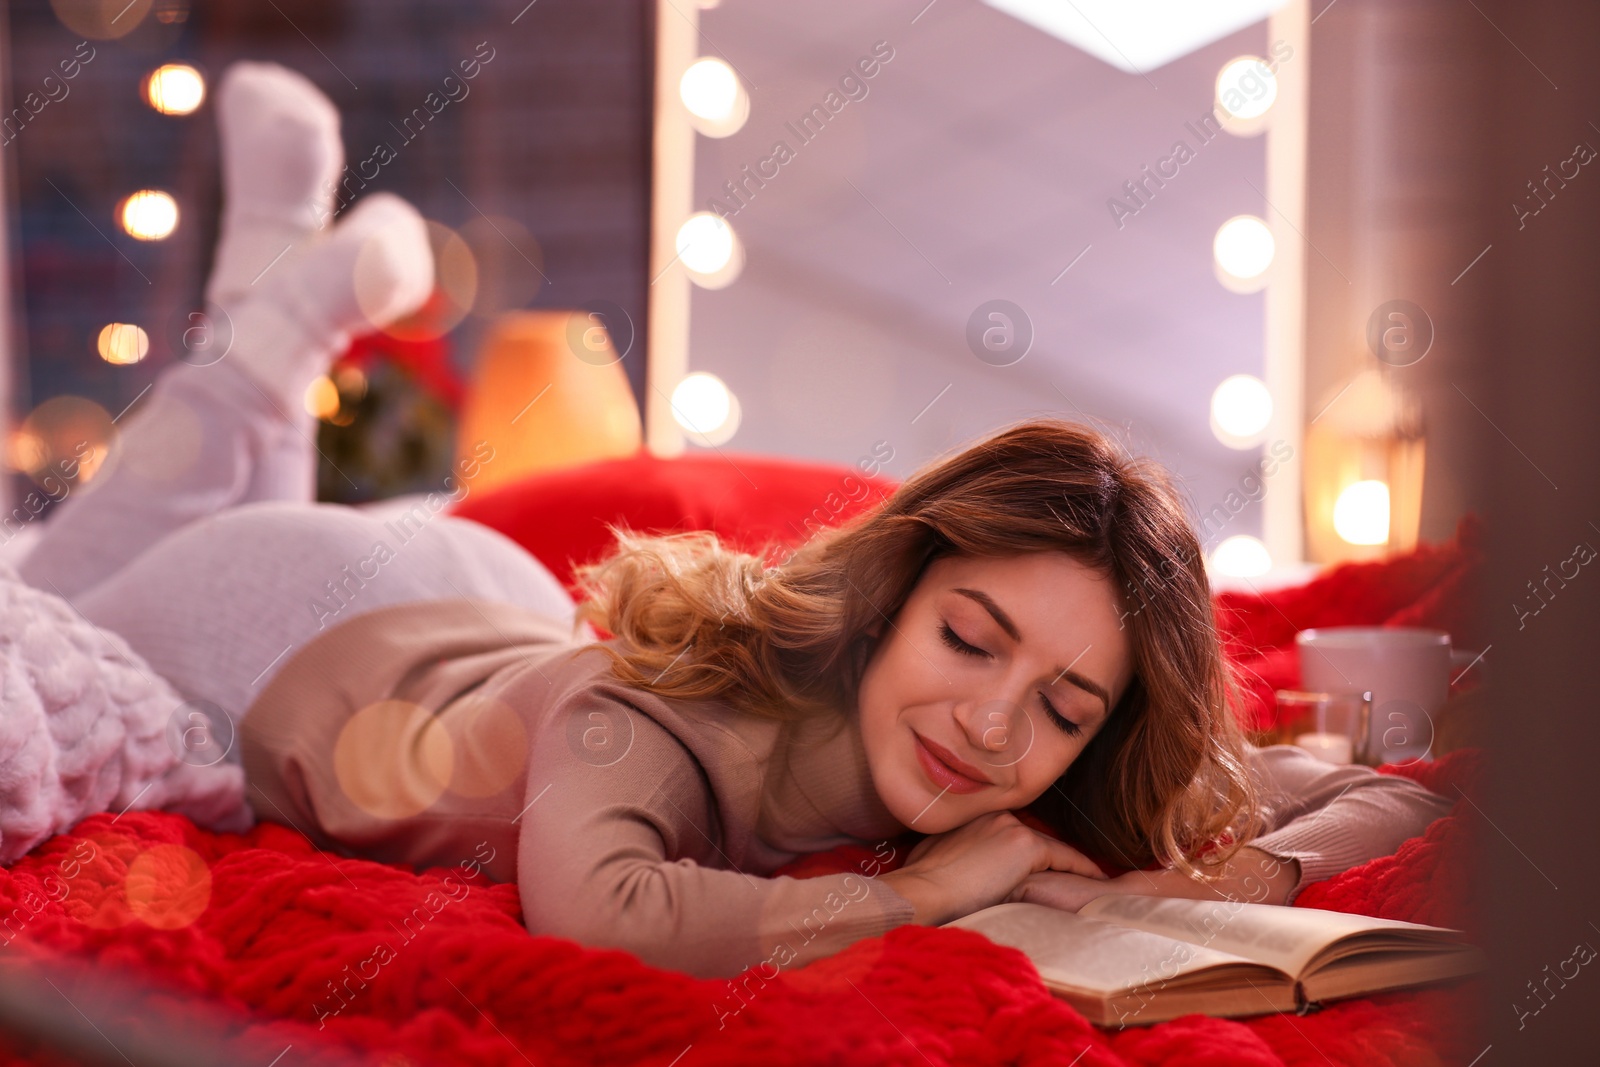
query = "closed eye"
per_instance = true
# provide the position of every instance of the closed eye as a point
(953, 639)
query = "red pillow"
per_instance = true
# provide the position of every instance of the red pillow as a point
(748, 501)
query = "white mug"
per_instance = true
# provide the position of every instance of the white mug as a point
(1407, 670)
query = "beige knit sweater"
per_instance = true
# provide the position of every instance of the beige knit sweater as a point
(427, 733)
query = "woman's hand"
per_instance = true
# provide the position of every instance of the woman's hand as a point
(1250, 875)
(979, 864)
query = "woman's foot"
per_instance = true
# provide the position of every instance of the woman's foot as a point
(211, 438)
(372, 268)
(281, 158)
(291, 289)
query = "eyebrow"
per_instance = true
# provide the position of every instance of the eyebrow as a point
(1088, 685)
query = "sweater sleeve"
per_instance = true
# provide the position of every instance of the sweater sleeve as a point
(1331, 817)
(618, 847)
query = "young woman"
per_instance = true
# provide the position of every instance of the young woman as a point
(1025, 625)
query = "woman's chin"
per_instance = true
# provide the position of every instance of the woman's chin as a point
(919, 805)
(926, 811)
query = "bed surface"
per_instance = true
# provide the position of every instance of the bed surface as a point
(435, 966)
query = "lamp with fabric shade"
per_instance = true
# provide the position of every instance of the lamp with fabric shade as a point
(548, 391)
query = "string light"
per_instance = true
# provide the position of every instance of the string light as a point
(122, 342)
(149, 215)
(174, 89)
(322, 398)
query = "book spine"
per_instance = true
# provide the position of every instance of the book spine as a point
(1302, 1005)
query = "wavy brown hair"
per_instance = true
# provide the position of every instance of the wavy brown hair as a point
(1163, 780)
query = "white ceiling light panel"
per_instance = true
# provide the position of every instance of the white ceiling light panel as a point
(1138, 36)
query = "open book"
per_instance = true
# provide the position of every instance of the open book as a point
(1131, 960)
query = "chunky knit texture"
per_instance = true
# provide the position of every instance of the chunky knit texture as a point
(266, 923)
(282, 930)
(86, 726)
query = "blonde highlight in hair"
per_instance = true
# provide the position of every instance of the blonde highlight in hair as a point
(1163, 780)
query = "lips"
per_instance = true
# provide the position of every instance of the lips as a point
(945, 770)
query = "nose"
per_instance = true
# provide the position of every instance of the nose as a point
(999, 730)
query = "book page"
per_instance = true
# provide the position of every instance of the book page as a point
(1101, 958)
(1286, 938)
(1374, 972)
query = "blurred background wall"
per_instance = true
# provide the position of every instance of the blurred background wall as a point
(535, 170)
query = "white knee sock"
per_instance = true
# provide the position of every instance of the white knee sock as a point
(374, 267)
(281, 157)
(292, 289)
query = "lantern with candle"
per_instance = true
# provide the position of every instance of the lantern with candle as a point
(1364, 469)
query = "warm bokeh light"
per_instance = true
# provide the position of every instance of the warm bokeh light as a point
(510, 263)
(174, 89)
(1246, 88)
(149, 215)
(91, 463)
(322, 398)
(455, 287)
(705, 408)
(393, 759)
(490, 745)
(101, 20)
(122, 342)
(1241, 556)
(1361, 513)
(1241, 407)
(351, 380)
(26, 451)
(455, 268)
(76, 436)
(713, 95)
(168, 886)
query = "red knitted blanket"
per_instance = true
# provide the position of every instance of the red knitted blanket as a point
(435, 966)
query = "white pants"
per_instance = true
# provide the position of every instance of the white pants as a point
(198, 542)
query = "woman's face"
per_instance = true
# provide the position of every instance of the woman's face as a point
(988, 683)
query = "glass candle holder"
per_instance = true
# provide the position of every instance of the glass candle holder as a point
(1335, 727)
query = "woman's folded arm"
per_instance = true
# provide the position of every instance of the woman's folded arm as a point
(1331, 817)
(619, 854)
(1320, 819)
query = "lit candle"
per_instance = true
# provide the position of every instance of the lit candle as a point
(1331, 748)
